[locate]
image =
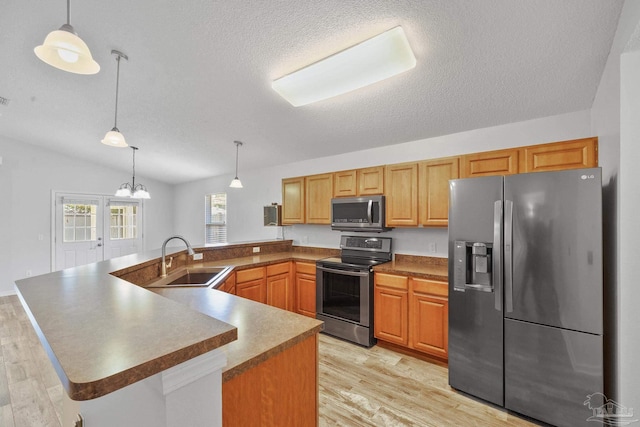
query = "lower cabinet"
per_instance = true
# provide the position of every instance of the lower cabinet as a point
(305, 284)
(251, 284)
(279, 286)
(412, 312)
(429, 316)
(229, 285)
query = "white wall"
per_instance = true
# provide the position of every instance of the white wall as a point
(28, 175)
(262, 187)
(614, 119)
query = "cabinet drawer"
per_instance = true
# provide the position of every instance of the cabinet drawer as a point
(275, 269)
(250, 274)
(391, 281)
(430, 287)
(305, 268)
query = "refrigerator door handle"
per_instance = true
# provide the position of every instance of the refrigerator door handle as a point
(497, 253)
(508, 255)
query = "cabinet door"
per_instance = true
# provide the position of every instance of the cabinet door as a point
(370, 181)
(318, 191)
(231, 284)
(502, 162)
(434, 176)
(279, 291)
(391, 319)
(574, 154)
(305, 294)
(344, 183)
(255, 290)
(401, 190)
(293, 200)
(429, 317)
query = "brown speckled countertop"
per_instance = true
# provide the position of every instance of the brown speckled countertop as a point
(417, 266)
(263, 331)
(103, 333)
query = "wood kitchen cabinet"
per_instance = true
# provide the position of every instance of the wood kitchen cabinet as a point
(500, 162)
(251, 284)
(412, 313)
(433, 183)
(280, 286)
(429, 317)
(229, 285)
(345, 183)
(305, 288)
(318, 193)
(573, 154)
(391, 308)
(401, 191)
(293, 200)
(370, 181)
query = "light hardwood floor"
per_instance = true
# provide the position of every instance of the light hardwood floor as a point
(358, 386)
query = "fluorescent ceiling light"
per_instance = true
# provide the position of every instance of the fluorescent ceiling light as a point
(371, 61)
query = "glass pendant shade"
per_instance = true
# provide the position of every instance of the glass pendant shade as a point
(133, 190)
(63, 49)
(114, 138)
(124, 191)
(235, 183)
(141, 192)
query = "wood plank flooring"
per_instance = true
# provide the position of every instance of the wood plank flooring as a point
(358, 387)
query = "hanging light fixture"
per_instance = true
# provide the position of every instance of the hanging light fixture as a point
(236, 182)
(132, 190)
(114, 138)
(63, 49)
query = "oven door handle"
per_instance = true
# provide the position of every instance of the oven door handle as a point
(345, 272)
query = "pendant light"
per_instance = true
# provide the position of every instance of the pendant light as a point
(132, 190)
(236, 182)
(63, 49)
(114, 138)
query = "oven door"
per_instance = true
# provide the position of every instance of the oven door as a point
(344, 293)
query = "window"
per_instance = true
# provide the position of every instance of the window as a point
(79, 222)
(123, 222)
(215, 218)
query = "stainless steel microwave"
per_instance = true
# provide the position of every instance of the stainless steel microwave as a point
(365, 213)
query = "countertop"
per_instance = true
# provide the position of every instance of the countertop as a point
(102, 333)
(416, 266)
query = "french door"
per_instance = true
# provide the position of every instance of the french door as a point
(91, 228)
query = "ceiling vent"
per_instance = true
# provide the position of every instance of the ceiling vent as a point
(4, 101)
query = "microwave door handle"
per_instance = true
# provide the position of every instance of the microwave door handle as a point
(369, 211)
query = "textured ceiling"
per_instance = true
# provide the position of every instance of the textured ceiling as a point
(200, 71)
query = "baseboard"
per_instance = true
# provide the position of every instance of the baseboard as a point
(7, 293)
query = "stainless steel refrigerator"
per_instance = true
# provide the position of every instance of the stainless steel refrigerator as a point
(525, 292)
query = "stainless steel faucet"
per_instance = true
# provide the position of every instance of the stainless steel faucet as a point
(164, 251)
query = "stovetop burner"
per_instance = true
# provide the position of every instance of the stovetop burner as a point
(361, 251)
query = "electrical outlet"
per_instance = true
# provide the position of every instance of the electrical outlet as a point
(256, 249)
(432, 247)
(197, 256)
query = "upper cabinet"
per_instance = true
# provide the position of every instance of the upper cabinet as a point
(318, 192)
(433, 185)
(574, 154)
(371, 181)
(417, 193)
(401, 191)
(501, 162)
(359, 182)
(345, 183)
(293, 200)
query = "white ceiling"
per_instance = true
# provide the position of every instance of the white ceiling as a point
(199, 76)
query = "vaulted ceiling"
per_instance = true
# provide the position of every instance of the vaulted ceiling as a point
(200, 71)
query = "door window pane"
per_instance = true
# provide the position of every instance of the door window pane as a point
(123, 222)
(79, 222)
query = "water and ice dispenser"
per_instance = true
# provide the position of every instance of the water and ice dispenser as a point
(473, 266)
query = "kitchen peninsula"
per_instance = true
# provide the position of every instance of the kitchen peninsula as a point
(106, 336)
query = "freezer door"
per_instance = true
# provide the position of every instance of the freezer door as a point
(554, 233)
(550, 372)
(475, 316)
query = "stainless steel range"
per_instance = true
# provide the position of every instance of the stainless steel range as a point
(344, 296)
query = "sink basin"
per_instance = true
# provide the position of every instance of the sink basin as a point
(194, 277)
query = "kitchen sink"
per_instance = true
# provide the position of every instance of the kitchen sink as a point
(193, 277)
